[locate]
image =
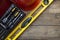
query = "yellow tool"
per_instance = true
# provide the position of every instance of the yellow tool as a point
(22, 26)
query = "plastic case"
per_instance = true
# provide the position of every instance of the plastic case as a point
(10, 20)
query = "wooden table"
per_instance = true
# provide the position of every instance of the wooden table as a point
(47, 26)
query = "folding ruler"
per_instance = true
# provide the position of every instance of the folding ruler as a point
(30, 18)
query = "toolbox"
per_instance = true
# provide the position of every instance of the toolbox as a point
(15, 21)
(9, 21)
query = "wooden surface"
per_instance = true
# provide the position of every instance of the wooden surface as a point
(47, 26)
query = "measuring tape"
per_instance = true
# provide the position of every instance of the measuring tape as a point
(28, 20)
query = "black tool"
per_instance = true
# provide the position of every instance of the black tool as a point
(46, 2)
(10, 20)
(2, 32)
(8, 16)
(26, 22)
(2, 25)
(16, 20)
(15, 14)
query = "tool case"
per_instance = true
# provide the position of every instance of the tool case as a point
(9, 21)
(15, 21)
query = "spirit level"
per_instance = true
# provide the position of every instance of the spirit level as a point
(22, 26)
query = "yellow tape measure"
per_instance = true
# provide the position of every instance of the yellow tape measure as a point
(22, 26)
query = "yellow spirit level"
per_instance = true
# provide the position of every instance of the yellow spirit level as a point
(31, 16)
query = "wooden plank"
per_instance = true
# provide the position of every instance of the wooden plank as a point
(47, 26)
(38, 32)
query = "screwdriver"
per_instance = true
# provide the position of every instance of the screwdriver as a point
(7, 12)
(6, 18)
(13, 16)
(3, 26)
(1, 29)
(2, 32)
(16, 20)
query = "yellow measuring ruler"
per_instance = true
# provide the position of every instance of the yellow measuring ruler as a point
(29, 19)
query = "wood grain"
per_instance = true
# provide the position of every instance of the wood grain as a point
(47, 26)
